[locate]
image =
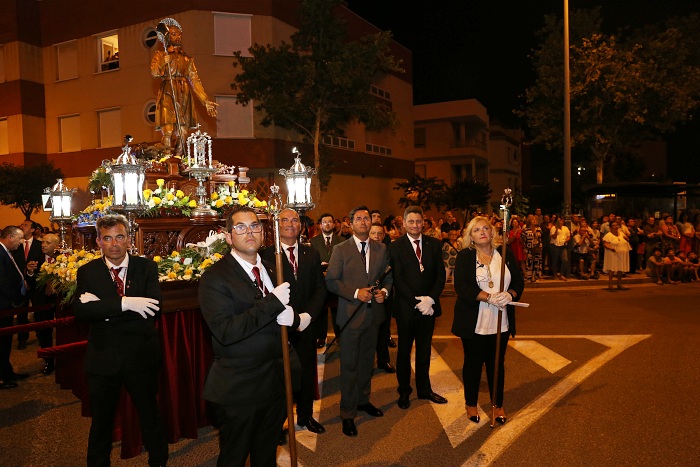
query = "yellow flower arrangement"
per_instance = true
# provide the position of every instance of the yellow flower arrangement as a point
(189, 263)
(60, 275)
(95, 210)
(166, 201)
(226, 196)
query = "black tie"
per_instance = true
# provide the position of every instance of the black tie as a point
(328, 244)
(364, 254)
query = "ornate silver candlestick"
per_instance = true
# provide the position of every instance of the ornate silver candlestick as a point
(198, 150)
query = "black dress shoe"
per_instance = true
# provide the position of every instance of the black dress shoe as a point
(8, 385)
(312, 425)
(49, 368)
(404, 401)
(369, 409)
(392, 343)
(349, 428)
(17, 376)
(388, 367)
(21, 345)
(432, 397)
(321, 343)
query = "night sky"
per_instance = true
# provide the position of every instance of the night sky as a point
(479, 49)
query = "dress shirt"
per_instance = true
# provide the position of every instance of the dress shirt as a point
(248, 268)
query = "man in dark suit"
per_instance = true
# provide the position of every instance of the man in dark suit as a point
(355, 267)
(244, 312)
(120, 297)
(13, 289)
(42, 297)
(28, 253)
(302, 269)
(324, 244)
(419, 277)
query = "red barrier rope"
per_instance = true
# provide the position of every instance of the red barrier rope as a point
(52, 323)
(61, 350)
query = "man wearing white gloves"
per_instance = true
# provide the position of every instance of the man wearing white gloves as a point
(302, 269)
(120, 297)
(244, 311)
(419, 277)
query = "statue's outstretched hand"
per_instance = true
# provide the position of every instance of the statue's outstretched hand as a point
(211, 108)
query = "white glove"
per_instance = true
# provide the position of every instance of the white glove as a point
(144, 306)
(89, 297)
(286, 318)
(429, 311)
(282, 293)
(425, 302)
(501, 299)
(305, 321)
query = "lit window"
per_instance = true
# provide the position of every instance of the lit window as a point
(233, 120)
(231, 34)
(108, 51)
(69, 132)
(66, 61)
(110, 128)
(4, 137)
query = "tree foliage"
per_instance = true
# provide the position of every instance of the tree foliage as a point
(22, 186)
(467, 195)
(624, 87)
(320, 81)
(424, 192)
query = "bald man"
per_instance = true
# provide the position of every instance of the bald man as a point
(39, 296)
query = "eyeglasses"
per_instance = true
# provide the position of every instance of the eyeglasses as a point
(240, 229)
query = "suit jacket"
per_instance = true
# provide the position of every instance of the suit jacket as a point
(118, 339)
(35, 254)
(410, 282)
(10, 281)
(319, 243)
(246, 338)
(467, 306)
(346, 273)
(308, 289)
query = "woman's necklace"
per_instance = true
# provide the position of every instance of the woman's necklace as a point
(482, 259)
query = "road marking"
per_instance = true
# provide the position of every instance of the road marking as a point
(502, 437)
(538, 353)
(453, 415)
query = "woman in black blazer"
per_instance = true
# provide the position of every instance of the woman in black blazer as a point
(477, 283)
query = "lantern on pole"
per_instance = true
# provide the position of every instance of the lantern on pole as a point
(60, 199)
(128, 176)
(298, 179)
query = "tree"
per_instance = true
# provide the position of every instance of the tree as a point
(424, 192)
(624, 87)
(467, 194)
(22, 186)
(320, 81)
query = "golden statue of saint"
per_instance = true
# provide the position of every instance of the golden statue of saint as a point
(175, 106)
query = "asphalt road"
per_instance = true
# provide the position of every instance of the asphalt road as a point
(593, 378)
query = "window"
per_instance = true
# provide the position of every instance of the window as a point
(376, 149)
(149, 112)
(2, 64)
(419, 138)
(4, 137)
(379, 92)
(108, 51)
(149, 37)
(66, 61)
(233, 120)
(339, 142)
(69, 133)
(231, 34)
(109, 125)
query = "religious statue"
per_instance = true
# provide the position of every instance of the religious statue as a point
(175, 107)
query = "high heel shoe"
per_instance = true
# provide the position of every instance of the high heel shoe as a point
(473, 418)
(501, 418)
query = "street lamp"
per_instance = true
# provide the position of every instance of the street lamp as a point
(61, 197)
(567, 121)
(128, 176)
(298, 179)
